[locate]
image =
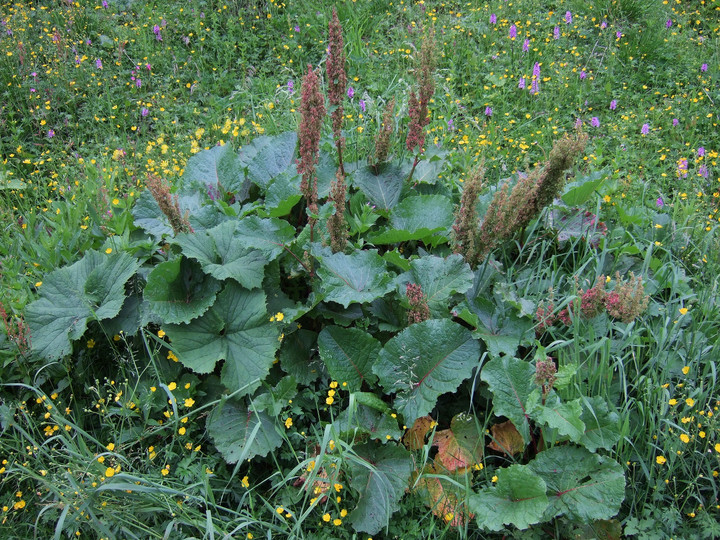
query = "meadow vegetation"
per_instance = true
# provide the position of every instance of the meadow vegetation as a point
(409, 269)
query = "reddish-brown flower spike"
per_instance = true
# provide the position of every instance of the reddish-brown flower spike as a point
(419, 309)
(312, 112)
(382, 140)
(416, 134)
(336, 76)
(160, 190)
(336, 224)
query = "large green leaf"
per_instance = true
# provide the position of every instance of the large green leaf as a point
(424, 361)
(268, 156)
(236, 329)
(580, 484)
(283, 193)
(578, 192)
(359, 277)
(148, 216)
(500, 329)
(91, 289)
(349, 354)
(297, 359)
(518, 499)
(362, 422)
(429, 168)
(511, 381)
(382, 190)
(601, 425)
(380, 475)
(562, 417)
(439, 278)
(240, 433)
(219, 165)
(223, 254)
(268, 235)
(178, 290)
(424, 217)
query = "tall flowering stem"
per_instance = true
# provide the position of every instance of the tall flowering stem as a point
(418, 103)
(382, 140)
(169, 205)
(312, 113)
(512, 209)
(336, 225)
(419, 309)
(628, 300)
(17, 330)
(337, 82)
(467, 223)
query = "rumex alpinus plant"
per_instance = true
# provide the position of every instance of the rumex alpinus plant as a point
(312, 112)
(160, 190)
(628, 300)
(418, 103)
(625, 302)
(382, 139)
(467, 224)
(512, 208)
(337, 83)
(266, 310)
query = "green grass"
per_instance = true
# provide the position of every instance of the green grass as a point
(93, 101)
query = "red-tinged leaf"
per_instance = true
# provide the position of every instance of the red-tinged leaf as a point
(414, 438)
(444, 497)
(507, 439)
(460, 446)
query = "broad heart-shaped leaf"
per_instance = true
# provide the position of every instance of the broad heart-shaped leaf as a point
(366, 422)
(562, 417)
(360, 277)
(601, 425)
(297, 359)
(417, 218)
(148, 216)
(218, 166)
(283, 193)
(266, 157)
(460, 446)
(91, 289)
(223, 254)
(349, 354)
(500, 329)
(439, 278)
(380, 475)
(580, 484)
(424, 361)
(382, 190)
(518, 499)
(178, 290)
(429, 168)
(235, 329)
(578, 192)
(506, 439)
(268, 235)
(511, 381)
(240, 433)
